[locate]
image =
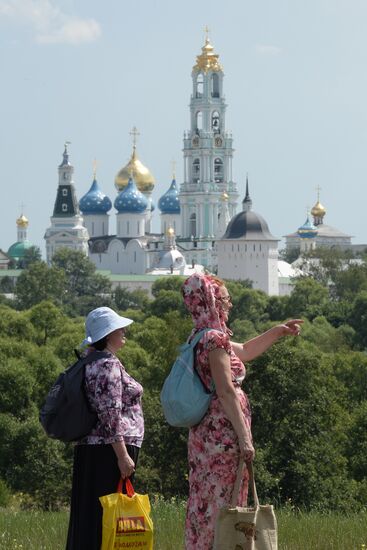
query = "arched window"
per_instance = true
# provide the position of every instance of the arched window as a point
(196, 171)
(199, 120)
(215, 85)
(193, 225)
(218, 170)
(216, 122)
(199, 85)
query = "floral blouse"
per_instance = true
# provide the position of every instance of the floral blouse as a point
(116, 397)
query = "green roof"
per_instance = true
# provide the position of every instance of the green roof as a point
(17, 250)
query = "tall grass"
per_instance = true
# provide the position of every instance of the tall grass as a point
(30, 530)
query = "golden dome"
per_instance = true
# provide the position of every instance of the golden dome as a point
(318, 211)
(22, 221)
(207, 60)
(144, 179)
(170, 232)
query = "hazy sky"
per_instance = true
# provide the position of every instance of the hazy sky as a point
(87, 71)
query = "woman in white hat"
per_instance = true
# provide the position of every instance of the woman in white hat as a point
(111, 449)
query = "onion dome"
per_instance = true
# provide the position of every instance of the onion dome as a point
(169, 203)
(207, 60)
(95, 201)
(131, 199)
(143, 177)
(22, 221)
(307, 230)
(17, 250)
(318, 211)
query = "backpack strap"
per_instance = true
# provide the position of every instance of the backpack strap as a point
(93, 356)
(194, 342)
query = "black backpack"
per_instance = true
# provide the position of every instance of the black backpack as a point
(66, 414)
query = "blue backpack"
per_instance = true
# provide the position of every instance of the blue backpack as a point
(184, 397)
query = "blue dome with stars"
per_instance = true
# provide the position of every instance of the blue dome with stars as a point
(169, 203)
(95, 201)
(131, 199)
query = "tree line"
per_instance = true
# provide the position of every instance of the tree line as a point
(308, 394)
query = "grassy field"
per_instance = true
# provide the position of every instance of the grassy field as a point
(47, 531)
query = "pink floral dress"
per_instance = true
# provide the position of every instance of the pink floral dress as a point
(213, 449)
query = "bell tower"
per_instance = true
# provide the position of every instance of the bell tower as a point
(208, 154)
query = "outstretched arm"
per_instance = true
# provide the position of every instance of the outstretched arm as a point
(256, 346)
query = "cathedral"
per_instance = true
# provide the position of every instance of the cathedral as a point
(200, 228)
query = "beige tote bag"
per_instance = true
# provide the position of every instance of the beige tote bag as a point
(240, 528)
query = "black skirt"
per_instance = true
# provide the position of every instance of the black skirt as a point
(95, 473)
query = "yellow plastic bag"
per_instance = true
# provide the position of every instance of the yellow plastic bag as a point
(126, 521)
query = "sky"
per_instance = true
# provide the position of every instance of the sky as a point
(87, 71)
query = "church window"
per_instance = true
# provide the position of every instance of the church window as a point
(245, 247)
(193, 225)
(117, 257)
(103, 231)
(64, 207)
(254, 248)
(199, 85)
(65, 175)
(196, 171)
(138, 227)
(218, 170)
(215, 122)
(232, 247)
(260, 247)
(199, 121)
(65, 192)
(92, 228)
(215, 85)
(238, 248)
(135, 256)
(127, 228)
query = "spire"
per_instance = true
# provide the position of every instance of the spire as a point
(65, 156)
(247, 202)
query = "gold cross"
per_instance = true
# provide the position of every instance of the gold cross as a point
(134, 133)
(94, 168)
(206, 30)
(22, 205)
(173, 164)
(318, 189)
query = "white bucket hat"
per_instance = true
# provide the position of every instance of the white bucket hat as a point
(103, 321)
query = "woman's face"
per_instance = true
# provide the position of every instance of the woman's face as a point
(224, 300)
(116, 339)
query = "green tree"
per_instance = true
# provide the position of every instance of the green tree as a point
(308, 299)
(167, 300)
(131, 299)
(358, 318)
(40, 282)
(47, 320)
(171, 282)
(250, 306)
(31, 255)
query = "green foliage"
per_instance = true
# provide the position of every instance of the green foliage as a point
(31, 255)
(47, 320)
(40, 282)
(4, 494)
(309, 299)
(16, 386)
(250, 306)
(172, 282)
(167, 300)
(134, 299)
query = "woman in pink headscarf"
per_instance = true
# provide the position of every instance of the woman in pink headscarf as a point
(216, 444)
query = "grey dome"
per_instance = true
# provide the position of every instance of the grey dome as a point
(250, 226)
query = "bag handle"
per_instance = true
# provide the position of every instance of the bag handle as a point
(238, 482)
(129, 487)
